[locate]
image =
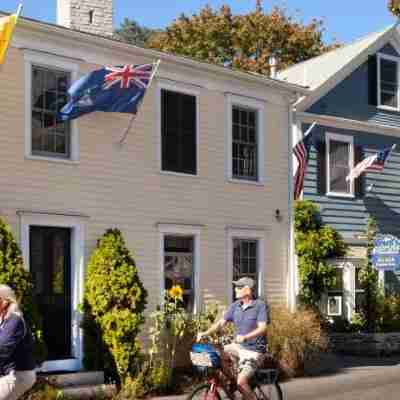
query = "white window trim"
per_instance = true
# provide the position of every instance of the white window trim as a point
(182, 230)
(233, 100)
(337, 298)
(246, 234)
(184, 90)
(47, 61)
(77, 226)
(381, 56)
(339, 138)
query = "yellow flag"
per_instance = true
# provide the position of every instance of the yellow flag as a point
(7, 25)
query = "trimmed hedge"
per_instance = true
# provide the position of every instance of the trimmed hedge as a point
(115, 300)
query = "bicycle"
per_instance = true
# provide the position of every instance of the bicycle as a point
(207, 358)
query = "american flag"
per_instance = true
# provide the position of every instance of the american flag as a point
(373, 163)
(301, 152)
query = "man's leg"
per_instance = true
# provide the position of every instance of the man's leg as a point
(230, 356)
(248, 364)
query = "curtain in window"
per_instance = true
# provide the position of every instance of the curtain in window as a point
(339, 166)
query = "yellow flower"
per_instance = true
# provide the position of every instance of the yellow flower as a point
(176, 292)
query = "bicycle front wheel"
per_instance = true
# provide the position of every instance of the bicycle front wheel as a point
(203, 392)
(269, 392)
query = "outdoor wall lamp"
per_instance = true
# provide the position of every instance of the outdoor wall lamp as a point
(278, 214)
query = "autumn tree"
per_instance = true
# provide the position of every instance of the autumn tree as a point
(242, 41)
(394, 7)
(133, 33)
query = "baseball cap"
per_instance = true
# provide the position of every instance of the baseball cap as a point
(243, 282)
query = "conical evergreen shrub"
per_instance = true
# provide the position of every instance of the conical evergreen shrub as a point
(13, 274)
(116, 299)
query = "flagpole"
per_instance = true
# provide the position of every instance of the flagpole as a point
(124, 136)
(19, 10)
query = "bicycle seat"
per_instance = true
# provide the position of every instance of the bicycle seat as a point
(267, 376)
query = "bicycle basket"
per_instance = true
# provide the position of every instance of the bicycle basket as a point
(205, 355)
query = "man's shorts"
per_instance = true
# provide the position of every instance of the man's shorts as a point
(249, 361)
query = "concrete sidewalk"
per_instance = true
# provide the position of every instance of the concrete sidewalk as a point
(334, 375)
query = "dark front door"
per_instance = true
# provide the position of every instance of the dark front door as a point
(50, 265)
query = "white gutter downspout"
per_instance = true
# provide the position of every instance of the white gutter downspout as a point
(292, 286)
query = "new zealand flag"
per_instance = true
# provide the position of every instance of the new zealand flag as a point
(110, 89)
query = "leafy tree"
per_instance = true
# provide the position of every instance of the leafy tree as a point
(116, 299)
(316, 244)
(133, 33)
(369, 281)
(13, 274)
(394, 7)
(243, 41)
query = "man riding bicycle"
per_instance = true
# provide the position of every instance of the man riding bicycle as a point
(250, 318)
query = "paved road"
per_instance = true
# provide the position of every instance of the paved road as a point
(362, 383)
(377, 379)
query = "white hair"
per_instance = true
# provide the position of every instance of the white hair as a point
(7, 293)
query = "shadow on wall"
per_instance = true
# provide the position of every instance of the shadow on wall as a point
(387, 219)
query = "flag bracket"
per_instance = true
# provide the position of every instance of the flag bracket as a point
(132, 119)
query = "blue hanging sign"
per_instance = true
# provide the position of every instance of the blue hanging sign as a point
(386, 253)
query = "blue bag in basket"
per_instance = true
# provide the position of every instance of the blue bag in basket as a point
(209, 351)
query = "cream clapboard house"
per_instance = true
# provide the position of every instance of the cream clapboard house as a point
(200, 189)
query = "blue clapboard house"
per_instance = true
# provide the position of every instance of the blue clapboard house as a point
(355, 102)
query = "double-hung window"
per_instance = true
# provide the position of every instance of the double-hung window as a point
(246, 257)
(388, 82)
(245, 140)
(178, 132)
(50, 138)
(340, 160)
(47, 81)
(179, 266)
(244, 143)
(335, 295)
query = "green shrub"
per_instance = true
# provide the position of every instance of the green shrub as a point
(295, 338)
(116, 299)
(389, 314)
(343, 325)
(316, 245)
(13, 273)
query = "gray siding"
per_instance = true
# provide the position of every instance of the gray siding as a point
(349, 216)
(349, 99)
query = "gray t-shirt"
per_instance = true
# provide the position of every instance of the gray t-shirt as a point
(246, 320)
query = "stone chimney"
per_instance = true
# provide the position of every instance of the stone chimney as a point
(92, 16)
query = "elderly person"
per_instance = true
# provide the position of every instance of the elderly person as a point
(17, 364)
(250, 318)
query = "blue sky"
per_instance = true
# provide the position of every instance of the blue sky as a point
(344, 20)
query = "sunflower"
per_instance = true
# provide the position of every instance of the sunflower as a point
(176, 292)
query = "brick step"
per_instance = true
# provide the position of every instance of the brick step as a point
(83, 378)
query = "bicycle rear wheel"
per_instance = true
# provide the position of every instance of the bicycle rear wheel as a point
(269, 392)
(203, 392)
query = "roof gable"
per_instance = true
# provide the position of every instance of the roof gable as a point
(324, 72)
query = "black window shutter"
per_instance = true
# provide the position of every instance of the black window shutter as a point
(359, 183)
(321, 167)
(178, 132)
(372, 81)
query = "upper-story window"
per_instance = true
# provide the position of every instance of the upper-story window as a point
(47, 79)
(340, 159)
(245, 146)
(178, 132)
(49, 95)
(388, 82)
(244, 143)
